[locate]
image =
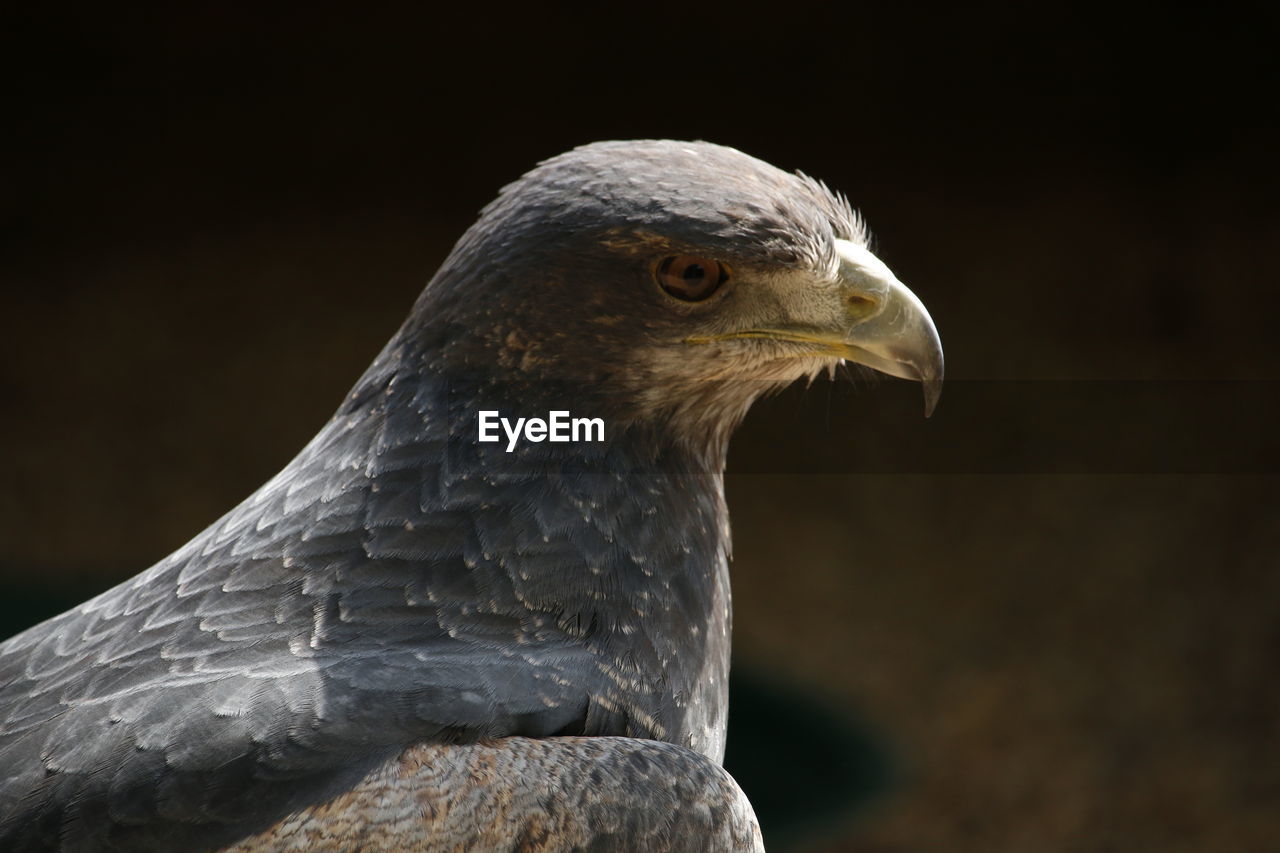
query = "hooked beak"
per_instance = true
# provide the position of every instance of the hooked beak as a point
(891, 329)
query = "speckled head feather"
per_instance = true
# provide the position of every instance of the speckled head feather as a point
(695, 193)
(555, 281)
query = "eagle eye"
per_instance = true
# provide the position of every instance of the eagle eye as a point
(691, 278)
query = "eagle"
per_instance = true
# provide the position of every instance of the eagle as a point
(413, 638)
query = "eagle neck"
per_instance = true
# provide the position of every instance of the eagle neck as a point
(619, 546)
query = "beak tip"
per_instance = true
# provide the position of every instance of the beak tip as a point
(931, 377)
(932, 391)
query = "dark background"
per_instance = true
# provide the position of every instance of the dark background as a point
(1045, 619)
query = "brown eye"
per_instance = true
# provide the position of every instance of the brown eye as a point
(690, 277)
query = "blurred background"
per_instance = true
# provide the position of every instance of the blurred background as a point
(1046, 619)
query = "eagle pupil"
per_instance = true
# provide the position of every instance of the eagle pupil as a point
(691, 278)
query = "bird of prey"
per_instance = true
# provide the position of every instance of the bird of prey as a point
(412, 639)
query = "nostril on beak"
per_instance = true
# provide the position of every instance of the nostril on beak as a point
(859, 306)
